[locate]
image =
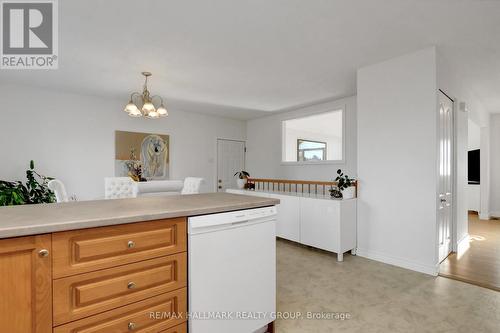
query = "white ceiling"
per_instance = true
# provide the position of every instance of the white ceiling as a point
(244, 58)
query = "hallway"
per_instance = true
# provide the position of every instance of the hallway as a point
(480, 264)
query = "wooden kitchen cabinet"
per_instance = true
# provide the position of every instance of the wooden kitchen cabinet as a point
(87, 294)
(97, 280)
(87, 250)
(182, 328)
(170, 307)
(26, 284)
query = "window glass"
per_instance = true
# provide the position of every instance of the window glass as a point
(311, 150)
(313, 138)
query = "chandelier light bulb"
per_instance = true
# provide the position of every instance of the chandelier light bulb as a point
(162, 111)
(131, 108)
(135, 112)
(148, 107)
(153, 114)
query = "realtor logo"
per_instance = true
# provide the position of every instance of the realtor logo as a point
(29, 34)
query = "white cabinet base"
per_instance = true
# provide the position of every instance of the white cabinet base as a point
(315, 221)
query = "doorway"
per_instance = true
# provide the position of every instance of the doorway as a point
(446, 171)
(479, 262)
(230, 159)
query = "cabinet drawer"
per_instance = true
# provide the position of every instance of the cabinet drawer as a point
(87, 250)
(87, 294)
(152, 315)
(182, 328)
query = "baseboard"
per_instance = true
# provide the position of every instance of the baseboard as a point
(400, 262)
(484, 216)
(495, 214)
(463, 244)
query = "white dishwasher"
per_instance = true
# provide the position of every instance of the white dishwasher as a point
(232, 271)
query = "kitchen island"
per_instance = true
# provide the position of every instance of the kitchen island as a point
(102, 266)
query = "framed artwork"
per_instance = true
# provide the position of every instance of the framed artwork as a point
(142, 155)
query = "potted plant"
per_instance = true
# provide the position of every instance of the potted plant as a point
(34, 192)
(242, 178)
(345, 186)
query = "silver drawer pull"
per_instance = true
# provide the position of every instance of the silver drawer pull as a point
(43, 253)
(131, 326)
(131, 244)
(131, 285)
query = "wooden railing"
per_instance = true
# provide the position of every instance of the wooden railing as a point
(297, 186)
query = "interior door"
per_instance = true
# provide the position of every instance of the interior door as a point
(445, 206)
(230, 159)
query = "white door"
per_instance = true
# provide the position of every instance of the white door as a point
(445, 205)
(230, 159)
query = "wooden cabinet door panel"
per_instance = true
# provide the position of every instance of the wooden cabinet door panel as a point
(87, 294)
(152, 315)
(26, 285)
(82, 251)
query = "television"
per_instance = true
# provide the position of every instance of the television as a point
(474, 166)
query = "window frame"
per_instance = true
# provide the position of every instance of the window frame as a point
(293, 115)
(309, 149)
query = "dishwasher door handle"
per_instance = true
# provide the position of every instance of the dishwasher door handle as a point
(240, 222)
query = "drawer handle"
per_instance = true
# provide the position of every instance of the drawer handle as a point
(131, 244)
(131, 326)
(131, 285)
(43, 253)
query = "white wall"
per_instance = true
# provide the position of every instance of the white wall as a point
(71, 137)
(485, 171)
(495, 165)
(397, 161)
(264, 150)
(462, 190)
(474, 135)
(473, 190)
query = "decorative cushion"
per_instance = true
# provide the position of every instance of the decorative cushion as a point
(119, 187)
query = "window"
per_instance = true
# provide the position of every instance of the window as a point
(308, 150)
(313, 139)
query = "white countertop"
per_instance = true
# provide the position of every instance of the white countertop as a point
(293, 194)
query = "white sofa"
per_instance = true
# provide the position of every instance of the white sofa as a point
(158, 188)
(124, 187)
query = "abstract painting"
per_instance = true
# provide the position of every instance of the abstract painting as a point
(145, 151)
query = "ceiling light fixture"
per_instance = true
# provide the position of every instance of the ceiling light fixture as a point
(143, 104)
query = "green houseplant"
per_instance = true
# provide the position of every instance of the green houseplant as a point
(242, 178)
(345, 186)
(35, 191)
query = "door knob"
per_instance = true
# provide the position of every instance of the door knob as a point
(443, 200)
(43, 253)
(131, 285)
(131, 244)
(131, 326)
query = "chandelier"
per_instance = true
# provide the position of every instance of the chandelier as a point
(143, 104)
